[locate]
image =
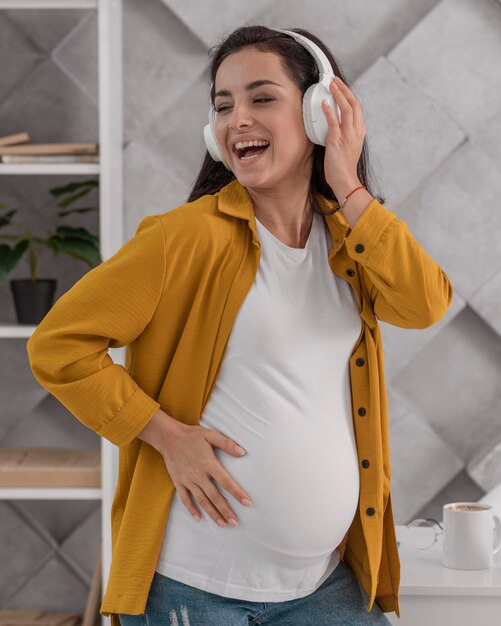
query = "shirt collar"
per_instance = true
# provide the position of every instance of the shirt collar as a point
(234, 199)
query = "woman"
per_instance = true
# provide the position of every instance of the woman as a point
(282, 246)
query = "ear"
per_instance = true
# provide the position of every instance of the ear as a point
(315, 122)
(211, 139)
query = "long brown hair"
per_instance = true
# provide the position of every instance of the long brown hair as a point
(303, 70)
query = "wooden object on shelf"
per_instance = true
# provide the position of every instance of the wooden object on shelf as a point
(51, 148)
(12, 140)
(35, 617)
(94, 598)
(50, 158)
(49, 467)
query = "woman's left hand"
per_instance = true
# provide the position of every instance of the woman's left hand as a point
(344, 140)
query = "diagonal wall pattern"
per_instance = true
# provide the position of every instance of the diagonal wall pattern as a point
(426, 74)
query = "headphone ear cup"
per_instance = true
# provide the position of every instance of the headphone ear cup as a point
(315, 122)
(211, 141)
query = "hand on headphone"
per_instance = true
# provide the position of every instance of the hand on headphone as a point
(344, 140)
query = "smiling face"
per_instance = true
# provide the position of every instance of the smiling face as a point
(255, 99)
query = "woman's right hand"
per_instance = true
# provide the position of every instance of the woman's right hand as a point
(190, 460)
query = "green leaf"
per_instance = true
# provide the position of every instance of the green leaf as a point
(73, 191)
(72, 187)
(67, 201)
(79, 249)
(5, 217)
(76, 233)
(79, 210)
(5, 251)
(10, 257)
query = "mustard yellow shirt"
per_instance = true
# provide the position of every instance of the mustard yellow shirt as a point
(171, 295)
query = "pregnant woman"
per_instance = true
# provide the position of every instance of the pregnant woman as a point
(250, 319)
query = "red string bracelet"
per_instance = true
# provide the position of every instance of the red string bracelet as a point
(351, 192)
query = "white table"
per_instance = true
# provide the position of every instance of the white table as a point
(434, 595)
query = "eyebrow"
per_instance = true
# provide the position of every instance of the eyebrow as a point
(249, 87)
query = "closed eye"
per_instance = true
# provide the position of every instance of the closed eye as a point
(260, 100)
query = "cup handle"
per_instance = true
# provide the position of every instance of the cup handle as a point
(497, 532)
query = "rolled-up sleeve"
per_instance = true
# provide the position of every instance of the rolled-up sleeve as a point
(407, 288)
(108, 307)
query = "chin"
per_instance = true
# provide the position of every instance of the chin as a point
(253, 184)
(258, 179)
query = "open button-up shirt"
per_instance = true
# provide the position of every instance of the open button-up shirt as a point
(171, 295)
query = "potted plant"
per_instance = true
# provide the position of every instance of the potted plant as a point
(33, 297)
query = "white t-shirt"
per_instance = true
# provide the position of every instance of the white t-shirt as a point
(283, 394)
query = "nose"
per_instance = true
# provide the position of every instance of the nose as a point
(239, 117)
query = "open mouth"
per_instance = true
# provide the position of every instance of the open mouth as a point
(250, 152)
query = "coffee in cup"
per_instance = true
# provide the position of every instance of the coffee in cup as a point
(472, 535)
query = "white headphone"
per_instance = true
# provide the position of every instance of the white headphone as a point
(315, 122)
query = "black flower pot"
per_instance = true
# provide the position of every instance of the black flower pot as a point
(32, 298)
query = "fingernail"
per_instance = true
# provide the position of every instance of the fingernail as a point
(232, 521)
(239, 450)
(334, 84)
(221, 523)
(246, 502)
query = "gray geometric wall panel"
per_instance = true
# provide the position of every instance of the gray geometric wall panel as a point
(428, 80)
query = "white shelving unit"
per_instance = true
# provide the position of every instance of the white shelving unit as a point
(49, 168)
(50, 493)
(109, 170)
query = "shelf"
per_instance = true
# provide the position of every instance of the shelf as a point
(36, 469)
(111, 228)
(48, 4)
(49, 168)
(50, 493)
(23, 472)
(15, 331)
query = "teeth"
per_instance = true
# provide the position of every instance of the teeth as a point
(246, 144)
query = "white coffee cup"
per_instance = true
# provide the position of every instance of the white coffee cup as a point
(472, 535)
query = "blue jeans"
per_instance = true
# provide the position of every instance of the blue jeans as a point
(339, 601)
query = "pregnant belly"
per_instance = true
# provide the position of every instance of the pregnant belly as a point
(304, 489)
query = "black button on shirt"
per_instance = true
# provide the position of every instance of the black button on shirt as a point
(350, 272)
(370, 511)
(365, 463)
(359, 362)
(359, 247)
(362, 411)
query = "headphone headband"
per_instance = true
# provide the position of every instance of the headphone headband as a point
(315, 122)
(322, 61)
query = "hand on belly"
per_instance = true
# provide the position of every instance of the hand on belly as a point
(303, 502)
